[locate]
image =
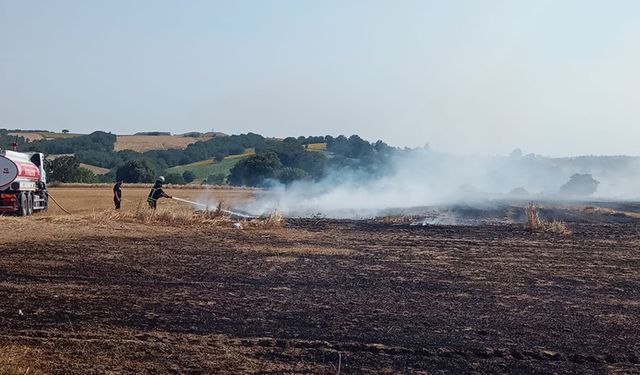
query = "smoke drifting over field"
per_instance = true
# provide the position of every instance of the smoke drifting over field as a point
(421, 177)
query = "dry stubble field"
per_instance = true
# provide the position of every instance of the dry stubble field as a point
(83, 200)
(86, 293)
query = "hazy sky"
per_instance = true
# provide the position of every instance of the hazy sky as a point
(555, 77)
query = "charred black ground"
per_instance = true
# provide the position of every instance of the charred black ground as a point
(372, 297)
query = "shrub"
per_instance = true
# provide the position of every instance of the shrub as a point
(288, 175)
(188, 176)
(535, 224)
(175, 178)
(216, 179)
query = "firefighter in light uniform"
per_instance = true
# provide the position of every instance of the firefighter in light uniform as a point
(157, 193)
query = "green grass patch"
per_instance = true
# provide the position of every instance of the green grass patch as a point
(205, 168)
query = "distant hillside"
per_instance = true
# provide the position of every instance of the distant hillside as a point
(205, 168)
(139, 142)
(142, 143)
(42, 135)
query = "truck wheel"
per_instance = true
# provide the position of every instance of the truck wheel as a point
(24, 211)
(30, 204)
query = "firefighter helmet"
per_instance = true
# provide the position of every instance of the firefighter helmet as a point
(160, 179)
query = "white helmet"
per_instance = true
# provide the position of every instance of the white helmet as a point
(160, 179)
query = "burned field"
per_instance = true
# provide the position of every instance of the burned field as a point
(318, 296)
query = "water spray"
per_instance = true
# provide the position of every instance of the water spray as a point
(229, 212)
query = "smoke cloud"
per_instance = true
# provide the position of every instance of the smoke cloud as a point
(423, 178)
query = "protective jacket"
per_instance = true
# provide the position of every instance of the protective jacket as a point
(155, 194)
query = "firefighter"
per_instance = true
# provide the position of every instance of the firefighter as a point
(157, 193)
(117, 194)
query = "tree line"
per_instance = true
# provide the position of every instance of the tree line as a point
(275, 160)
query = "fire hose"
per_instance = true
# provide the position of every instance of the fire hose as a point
(229, 212)
(56, 202)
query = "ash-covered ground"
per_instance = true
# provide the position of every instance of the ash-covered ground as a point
(364, 296)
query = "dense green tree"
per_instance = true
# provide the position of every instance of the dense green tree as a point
(85, 176)
(188, 176)
(97, 141)
(313, 163)
(580, 184)
(135, 171)
(63, 169)
(287, 175)
(107, 177)
(216, 179)
(100, 158)
(175, 178)
(254, 170)
(67, 169)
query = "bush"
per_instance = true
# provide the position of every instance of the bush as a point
(85, 176)
(288, 175)
(175, 178)
(188, 176)
(216, 179)
(534, 223)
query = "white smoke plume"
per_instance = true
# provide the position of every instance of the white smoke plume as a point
(420, 178)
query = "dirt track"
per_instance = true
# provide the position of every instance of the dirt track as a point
(374, 298)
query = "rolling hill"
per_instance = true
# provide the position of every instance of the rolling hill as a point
(205, 168)
(142, 143)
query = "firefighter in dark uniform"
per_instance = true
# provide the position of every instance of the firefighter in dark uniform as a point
(117, 194)
(157, 193)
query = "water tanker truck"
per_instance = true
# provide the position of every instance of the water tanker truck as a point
(23, 184)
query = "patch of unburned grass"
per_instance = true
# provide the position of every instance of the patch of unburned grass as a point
(608, 211)
(20, 360)
(556, 227)
(534, 223)
(185, 216)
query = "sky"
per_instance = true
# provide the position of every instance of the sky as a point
(550, 77)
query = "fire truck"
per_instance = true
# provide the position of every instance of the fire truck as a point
(23, 183)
